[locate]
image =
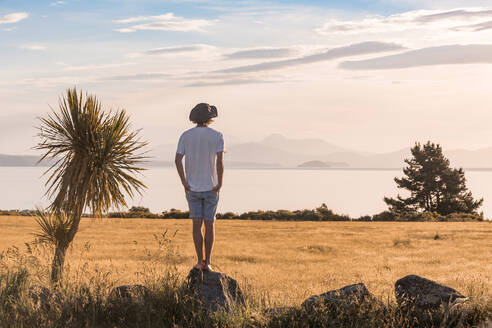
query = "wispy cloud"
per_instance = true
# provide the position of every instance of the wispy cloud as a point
(227, 82)
(137, 77)
(167, 16)
(443, 55)
(164, 22)
(346, 51)
(33, 47)
(10, 29)
(454, 14)
(475, 27)
(13, 18)
(408, 20)
(58, 3)
(174, 49)
(94, 67)
(262, 53)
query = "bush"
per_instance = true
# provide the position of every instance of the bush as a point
(175, 214)
(17, 212)
(384, 216)
(139, 209)
(321, 213)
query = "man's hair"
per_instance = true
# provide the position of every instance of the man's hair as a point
(206, 123)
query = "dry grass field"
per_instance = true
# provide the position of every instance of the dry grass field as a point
(290, 261)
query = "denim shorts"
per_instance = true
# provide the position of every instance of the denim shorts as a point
(202, 204)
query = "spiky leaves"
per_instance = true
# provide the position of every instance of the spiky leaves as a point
(54, 228)
(96, 153)
(96, 159)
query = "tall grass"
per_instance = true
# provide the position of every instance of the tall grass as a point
(84, 299)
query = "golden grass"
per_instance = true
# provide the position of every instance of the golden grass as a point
(291, 260)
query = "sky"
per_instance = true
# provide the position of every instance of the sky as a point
(367, 75)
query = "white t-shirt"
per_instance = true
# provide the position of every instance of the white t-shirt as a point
(200, 146)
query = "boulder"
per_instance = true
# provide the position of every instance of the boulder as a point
(425, 294)
(214, 290)
(357, 293)
(129, 293)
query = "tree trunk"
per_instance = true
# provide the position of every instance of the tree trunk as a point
(58, 262)
(61, 248)
(61, 252)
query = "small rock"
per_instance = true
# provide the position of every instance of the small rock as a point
(356, 292)
(215, 290)
(425, 294)
(129, 293)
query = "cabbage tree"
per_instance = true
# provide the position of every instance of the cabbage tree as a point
(96, 158)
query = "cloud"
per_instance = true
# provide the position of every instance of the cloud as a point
(227, 82)
(137, 77)
(168, 16)
(10, 29)
(94, 66)
(443, 55)
(192, 49)
(350, 50)
(454, 14)
(33, 47)
(125, 30)
(475, 27)
(262, 53)
(13, 18)
(164, 22)
(417, 19)
(173, 49)
(58, 3)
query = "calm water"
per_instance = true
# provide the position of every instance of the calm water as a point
(353, 192)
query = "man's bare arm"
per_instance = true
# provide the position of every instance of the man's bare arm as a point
(178, 160)
(220, 170)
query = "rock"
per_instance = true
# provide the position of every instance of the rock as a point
(425, 294)
(215, 290)
(352, 293)
(129, 293)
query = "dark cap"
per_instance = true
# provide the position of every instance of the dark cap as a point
(202, 112)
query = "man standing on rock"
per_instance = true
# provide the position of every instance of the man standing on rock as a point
(203, 149)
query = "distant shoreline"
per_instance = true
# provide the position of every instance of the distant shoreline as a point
(479, 169)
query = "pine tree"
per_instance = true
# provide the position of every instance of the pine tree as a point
(434, 186)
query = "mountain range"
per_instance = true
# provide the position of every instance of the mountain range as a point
(279, 151)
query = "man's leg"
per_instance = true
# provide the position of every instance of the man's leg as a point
(209, 239)
(196, 214)
(198, 239)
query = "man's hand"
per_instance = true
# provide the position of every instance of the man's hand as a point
(220, 170)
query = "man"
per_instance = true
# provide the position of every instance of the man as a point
(203, 149)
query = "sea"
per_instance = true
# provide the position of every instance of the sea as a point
(355, 192)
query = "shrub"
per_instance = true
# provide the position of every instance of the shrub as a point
(384, 216)
(175, 214)
(139, 209)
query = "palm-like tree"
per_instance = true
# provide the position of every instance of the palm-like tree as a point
(96, 158)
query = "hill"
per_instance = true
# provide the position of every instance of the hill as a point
(279, 151)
